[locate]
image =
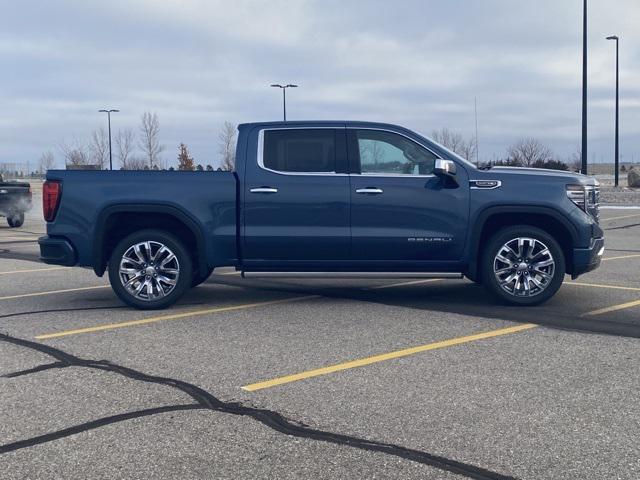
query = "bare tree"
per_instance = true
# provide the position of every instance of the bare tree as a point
(136, 162)
(465, 147)
(227, 146)
(99, 148)
(46, 161)
(125, 147)
(528, 151)
(149, 138)
(75, 153)
(575, 159)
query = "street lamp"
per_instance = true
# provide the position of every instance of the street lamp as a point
(584, 89)
(284, 96)
(109, 112)
(617, 158)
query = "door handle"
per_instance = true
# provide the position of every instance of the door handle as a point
(264, 190)
(370, 190)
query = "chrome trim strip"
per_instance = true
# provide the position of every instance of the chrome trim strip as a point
(264, 190)
(375, 191)
(352, 275)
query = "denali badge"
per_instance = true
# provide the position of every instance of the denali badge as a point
(484, 184)
(430, 239)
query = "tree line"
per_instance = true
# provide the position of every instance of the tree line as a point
(136, 152)
(524, 152)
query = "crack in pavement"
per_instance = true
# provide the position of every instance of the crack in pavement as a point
(206, 401)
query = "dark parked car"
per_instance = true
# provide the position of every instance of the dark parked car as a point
(340, 199)
(15, 200)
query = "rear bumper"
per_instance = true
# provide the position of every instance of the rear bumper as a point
(57, 251)
(587, 259)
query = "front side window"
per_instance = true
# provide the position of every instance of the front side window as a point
(300, 150)
(386, 152)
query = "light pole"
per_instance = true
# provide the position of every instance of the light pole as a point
(617, 158)
(109, 112)
(284, 96)
(584, 89)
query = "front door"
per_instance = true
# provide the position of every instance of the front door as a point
(296, 200)
(401, 214)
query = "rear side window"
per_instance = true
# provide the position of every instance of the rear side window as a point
(300, 150)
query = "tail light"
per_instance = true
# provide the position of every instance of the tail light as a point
(51, 193)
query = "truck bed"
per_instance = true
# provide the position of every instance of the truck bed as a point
(208, 199)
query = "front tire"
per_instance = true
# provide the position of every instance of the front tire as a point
(16, 220)
(523, 265)
(150, 269)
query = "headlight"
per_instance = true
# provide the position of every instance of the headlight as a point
(587, 197)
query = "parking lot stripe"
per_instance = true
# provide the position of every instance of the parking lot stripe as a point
(52, 292)
(386, 356)
(621, 257)
(613, 308)
(175, 316)
(402, 284)
(620, 218)
(11, 272)
(596, 285)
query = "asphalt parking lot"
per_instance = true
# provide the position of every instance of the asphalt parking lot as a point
(319, 379)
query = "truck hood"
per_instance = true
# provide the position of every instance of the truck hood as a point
(571, 177)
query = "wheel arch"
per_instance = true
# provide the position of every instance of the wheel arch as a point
(117, 221)
(493, 219)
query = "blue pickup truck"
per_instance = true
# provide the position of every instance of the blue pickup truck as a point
(332, 199)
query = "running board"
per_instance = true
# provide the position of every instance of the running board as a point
(351, 275)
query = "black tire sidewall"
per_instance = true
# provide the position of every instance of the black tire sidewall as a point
(175, 245)
(503, 236)
(16, 221)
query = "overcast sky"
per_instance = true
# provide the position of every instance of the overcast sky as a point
(418, 63)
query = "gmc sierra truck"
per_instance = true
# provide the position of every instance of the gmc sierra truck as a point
(326, 199)
(15, 200)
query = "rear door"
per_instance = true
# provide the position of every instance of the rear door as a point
(403, 215)
(296, 199)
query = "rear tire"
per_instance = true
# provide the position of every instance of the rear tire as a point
(523, 265)
(16, 221)
(150, 269)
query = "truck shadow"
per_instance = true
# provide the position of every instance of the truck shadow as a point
(464, 298)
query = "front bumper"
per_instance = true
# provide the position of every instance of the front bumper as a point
(57, 251)
(587, 259)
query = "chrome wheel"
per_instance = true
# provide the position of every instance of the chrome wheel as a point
(524, 267)
(149, 270)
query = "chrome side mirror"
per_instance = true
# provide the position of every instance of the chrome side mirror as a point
(445, 168)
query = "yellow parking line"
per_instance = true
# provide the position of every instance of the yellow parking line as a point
(18, 239)
(52, 292)
(621, 257)
(175, 316)
(11, 272)
(596, 285)
(402, 284)
(613, 308)
(386, 356)
(620, 218)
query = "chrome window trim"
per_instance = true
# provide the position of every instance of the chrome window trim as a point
(260, 154)
(308, 174)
